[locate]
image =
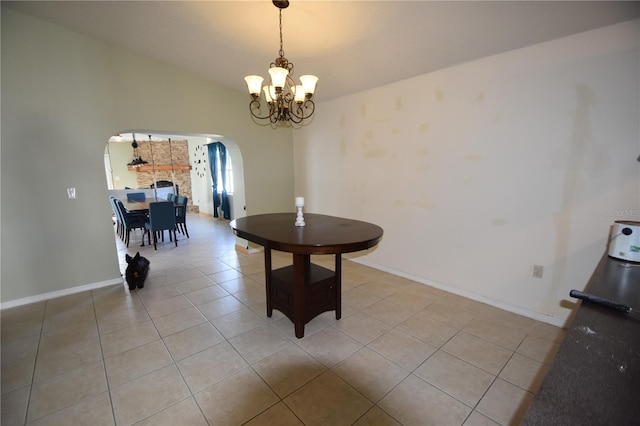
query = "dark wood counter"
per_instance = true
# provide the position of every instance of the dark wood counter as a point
(594, 378)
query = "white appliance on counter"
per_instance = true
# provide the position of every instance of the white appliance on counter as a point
(625, 240)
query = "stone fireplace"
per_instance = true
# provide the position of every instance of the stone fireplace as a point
(160, 164)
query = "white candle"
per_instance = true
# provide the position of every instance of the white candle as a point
(299, 216)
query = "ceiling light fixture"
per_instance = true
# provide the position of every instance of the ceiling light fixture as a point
(288, 102)
(137, 160)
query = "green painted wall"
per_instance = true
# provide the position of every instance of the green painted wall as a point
(63, 96)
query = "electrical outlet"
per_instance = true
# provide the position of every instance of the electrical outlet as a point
(536, 271)
(71, 192)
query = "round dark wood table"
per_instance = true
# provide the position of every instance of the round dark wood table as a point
(304, 290)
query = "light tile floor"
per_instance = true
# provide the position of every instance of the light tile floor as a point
(195, 347)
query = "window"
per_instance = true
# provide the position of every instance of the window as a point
(228, 174)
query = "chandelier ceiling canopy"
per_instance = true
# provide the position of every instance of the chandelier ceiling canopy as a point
(287, 102)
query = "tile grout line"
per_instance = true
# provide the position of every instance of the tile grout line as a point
(227, 340)
(104, 363)
(35, 362)
(498, 377)
(175, 364)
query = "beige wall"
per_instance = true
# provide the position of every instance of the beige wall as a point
(479, 171)
(121, 153)
(475, 172)
(63, 96)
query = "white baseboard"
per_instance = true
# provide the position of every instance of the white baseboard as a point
(59, 293)
(558, 322)
(248, 249)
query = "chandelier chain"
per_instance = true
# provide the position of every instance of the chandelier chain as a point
(281, 48)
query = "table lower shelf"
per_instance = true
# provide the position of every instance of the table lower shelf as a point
(320, 291)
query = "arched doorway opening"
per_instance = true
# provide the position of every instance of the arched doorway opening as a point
(178, 158)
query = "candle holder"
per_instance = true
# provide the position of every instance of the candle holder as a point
(299, 206)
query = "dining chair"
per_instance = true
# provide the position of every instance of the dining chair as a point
(117, 218)
(130, 221)
(162, 217)
(136, 196)
(170, 197)
(181, 214)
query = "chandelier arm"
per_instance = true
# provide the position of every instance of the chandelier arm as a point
(255, 105)
(274, 117)
(296, 115)
(302, 111)
(295, 118)
(278, 111)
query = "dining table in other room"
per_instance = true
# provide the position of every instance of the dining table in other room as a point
(143, 206)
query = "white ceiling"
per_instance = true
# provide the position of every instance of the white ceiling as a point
(350, 45)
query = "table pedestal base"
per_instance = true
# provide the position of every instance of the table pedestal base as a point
(303, 291)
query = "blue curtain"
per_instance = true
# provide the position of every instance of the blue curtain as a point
(218, 152)
(213, 167)
(224, 206)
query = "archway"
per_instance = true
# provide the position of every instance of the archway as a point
(191, 161)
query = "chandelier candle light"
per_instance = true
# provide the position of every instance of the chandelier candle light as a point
(287, 101)
(299, 217)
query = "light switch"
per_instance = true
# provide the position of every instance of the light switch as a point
(71, 192)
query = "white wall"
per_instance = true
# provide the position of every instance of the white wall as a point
(479, 171)
(200, 185)
(63, 96)
(120, 154)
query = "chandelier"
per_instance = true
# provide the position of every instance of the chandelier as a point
(137, 159)
(287, 101)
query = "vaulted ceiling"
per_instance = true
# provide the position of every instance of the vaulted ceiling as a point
(350, 45)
